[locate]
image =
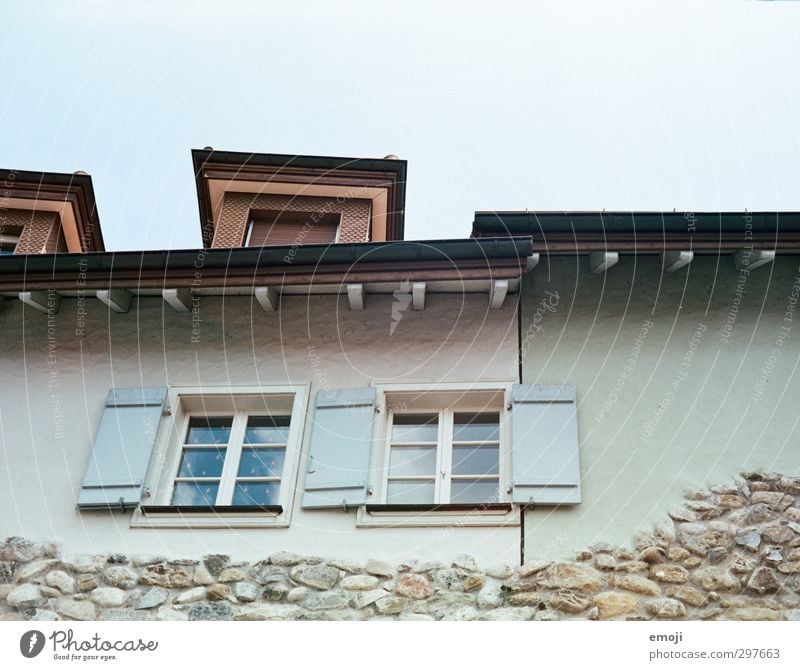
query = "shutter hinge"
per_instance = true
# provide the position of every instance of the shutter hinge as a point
(344, 505)
(509, 406)
(167, 410)
(509, 488)
(121, 504)
(377, 409)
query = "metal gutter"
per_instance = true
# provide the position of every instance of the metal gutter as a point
(378, 261)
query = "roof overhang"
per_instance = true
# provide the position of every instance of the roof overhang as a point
(70, 195)
(382, 181)
(452, 264)
(644, 232)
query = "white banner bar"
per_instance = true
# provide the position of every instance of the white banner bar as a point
(399, 645)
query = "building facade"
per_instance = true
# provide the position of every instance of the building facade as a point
(310, 417)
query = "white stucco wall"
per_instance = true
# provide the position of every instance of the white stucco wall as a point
(669, 373)
(54, 386)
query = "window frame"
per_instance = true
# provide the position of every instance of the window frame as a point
(469, 397)
(157, 509)
(229, 475)
(443, 472)
(7, 241)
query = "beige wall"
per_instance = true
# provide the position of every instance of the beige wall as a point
(55, 384)
(683, 380)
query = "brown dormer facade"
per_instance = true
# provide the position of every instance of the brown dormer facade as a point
(263, 200)
(48, 213)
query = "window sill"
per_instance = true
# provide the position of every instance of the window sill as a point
(452, 515)
(228, 516)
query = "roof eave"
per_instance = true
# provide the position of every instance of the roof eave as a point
(390, 261)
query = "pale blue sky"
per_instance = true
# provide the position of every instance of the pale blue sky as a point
(563, 106)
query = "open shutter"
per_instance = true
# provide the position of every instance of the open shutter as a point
(122, 447)
(544, 427)
(341, 443)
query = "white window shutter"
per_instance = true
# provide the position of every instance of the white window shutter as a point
(122, 448)
(544, 431)
(337, 471)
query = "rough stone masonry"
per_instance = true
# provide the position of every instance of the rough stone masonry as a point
(732, 552)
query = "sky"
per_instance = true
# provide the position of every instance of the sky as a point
(495, 106)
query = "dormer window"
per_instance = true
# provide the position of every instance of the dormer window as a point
(9, 239)
(257, 200)
(48, 213)
(271, 228)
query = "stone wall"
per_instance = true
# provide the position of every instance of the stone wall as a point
(732, 552)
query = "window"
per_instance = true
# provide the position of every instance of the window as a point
(226, 459)
(446, 457)
(285, 228)
(9, 239)
(443, 454)
(232, 460)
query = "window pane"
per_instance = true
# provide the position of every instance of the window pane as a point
(202, 463)
(476, 460)
(261, 462)
(414, 428)
(409, 493)
(256, 493)
(267, 430)
(195, 493)
(410, 461)
(209, 430)
(474, 491)
(476, 428)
